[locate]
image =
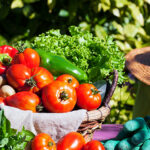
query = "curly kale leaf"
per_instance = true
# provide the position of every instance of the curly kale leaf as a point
(96, 57)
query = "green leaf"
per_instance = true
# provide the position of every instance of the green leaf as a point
(17, 4)
(30, 1)
(147, 1)
(136, 14)
(10, 139)
(100, 32)
(118, 27)
(51, 4)
(143, 34)
(27, 10)
(140, 3)
(63, 13)
(120, 3)
(116, 12)
(130, 30)
(105, 4)
(118, 37)
(3, 142)
(27, 134)
(84, 26)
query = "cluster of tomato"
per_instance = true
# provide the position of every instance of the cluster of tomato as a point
(31, 82)
(71, 141)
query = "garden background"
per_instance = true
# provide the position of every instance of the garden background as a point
(127, 21)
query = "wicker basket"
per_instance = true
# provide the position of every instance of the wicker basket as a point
(95, 118)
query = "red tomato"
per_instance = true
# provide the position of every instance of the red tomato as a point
(88, 97)
(28, 57)
(59, 97)
(71, 141)
(43, 142)
(40, 77)
(17, 75)
(93, 145)
(25, 79)
(23, 100)
(69, 79)
(2, 100)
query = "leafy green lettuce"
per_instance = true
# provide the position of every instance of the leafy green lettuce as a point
(97, 57)
(10, 139)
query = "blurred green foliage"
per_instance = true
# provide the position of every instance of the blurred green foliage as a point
(128, 21)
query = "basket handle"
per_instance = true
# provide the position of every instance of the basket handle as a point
(112, 88)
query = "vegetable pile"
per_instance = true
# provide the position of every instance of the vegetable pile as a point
(28, 86)
(96, 57)
(31, 87)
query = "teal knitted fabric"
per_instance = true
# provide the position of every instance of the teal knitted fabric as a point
(135, 135)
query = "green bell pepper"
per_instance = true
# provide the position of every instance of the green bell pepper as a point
(58, 65)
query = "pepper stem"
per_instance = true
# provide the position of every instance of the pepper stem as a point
(94, 91)
(63, 95)
(5, 59)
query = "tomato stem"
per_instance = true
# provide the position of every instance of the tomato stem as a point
(31, 82)
(70, 80)
(39, 108)
(94, 91)
(63, 95)
(50, 144)
(21, 48)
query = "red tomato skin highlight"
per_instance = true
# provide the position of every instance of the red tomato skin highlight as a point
(71, 141)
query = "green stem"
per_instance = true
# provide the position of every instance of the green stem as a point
(5, 59)
(63, 95)
(94, 91)
(31, 82)
(70, 80)
(50, 144)
(39, 108)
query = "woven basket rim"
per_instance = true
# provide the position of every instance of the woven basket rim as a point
(138, 63)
